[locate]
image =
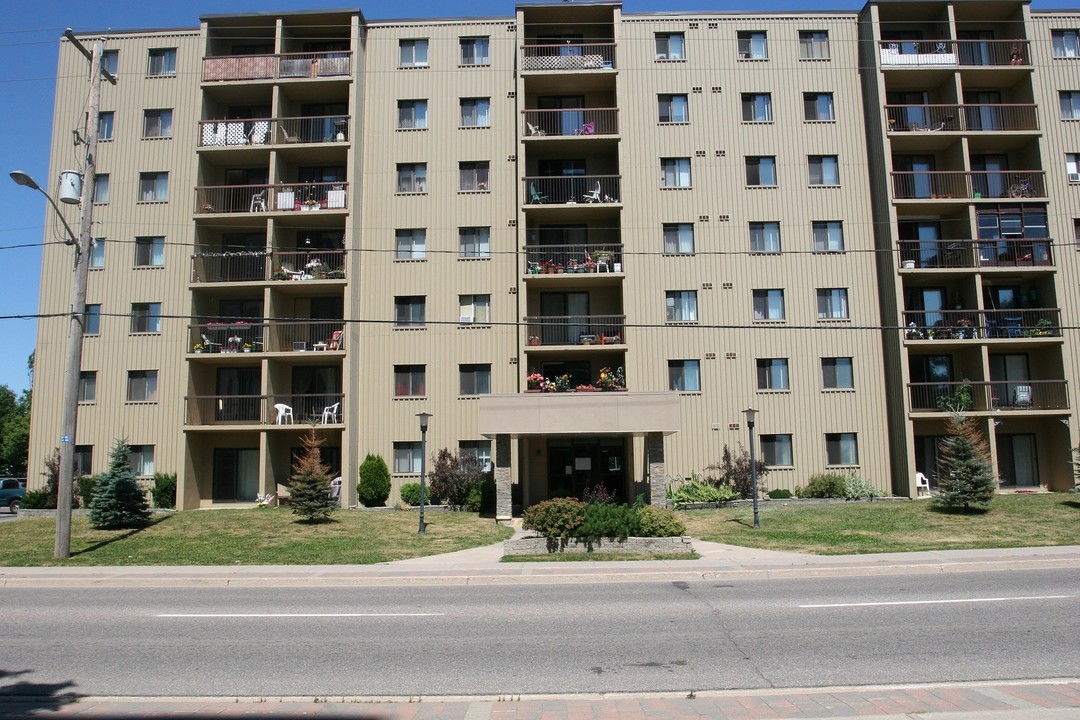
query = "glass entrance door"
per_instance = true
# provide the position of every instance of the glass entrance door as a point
(236, 474)
(1017, 460)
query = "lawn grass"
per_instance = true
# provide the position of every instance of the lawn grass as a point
(270, 536)
(893, 526)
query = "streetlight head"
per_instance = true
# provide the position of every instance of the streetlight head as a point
(423, 420)
(751, 415)
(23, 179)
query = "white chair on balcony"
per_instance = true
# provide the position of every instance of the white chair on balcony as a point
(284, 414)
(1022, 396)
(258, 202)
(210, 344)
(330, 413)
(533, 130)
(593, 195)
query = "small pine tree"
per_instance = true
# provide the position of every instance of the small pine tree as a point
(374, 486)
(118, 501)
(966, 478)
(309, 488)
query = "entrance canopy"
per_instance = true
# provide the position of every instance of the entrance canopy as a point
(574, 413)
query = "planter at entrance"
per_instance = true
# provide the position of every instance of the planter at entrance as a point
(629, 546)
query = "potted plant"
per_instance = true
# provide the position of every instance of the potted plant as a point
(534, 340)
(198, 348)
(279, 274)
(335, 274)
(248, 347)
(965, 328)
(534, 381)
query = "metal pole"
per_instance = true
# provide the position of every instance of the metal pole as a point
(753, 472)
(423, 471)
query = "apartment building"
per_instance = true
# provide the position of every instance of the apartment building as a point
(848, 221)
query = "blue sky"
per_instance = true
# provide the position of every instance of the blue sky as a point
(28, 52)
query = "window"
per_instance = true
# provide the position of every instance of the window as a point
(1072, 167)
(110, 61)
(142, 386)
(409, 310)
(407, 458)
(828, 236)
(837, 373)
(675, 172)
(413, 53)
(97, 253)
(813, 45)
(761, 171)
(765, 237)
(157, 123)
(684, 375)
(474, 51)
(678, 239)
(824, 170)
(479, 450)
(409, 380)
(153, 186)
(670, 46)
(473, 242)
(1076, 231)
(141, 458)
(475, 379)
(1070, 104)
(841, 449)
(474, 309)
(475, 112)
(105, 125)
(772, 374)
(776, 450)
(757, 107)
(93, 320)
(149, 252)
(1066, 43)
(412, 177)
(101, 189)
(818, 107)
(681, 306)
(84, 460)
(410, 244)
(88, 386)
(769, 304)
(832, 304)
(161, 62)
(753, 45)
(412, 114)
(146, 317)
(473, 176)
(673, 108)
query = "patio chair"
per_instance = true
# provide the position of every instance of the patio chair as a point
(335, 341)
(210, 344)
(593, 195)
(284, 414)
(1022, 396)
(1014, 327)
(290, 139)
(533, 130)
(330, 413)
(922, 483)
(258, 202)
(534, 195)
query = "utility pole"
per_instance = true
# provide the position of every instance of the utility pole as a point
(66, 480)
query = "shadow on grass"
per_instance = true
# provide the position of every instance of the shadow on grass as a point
(1074, 504)
(22, 697)
(740, 521)
(130, 533)
(957, 510)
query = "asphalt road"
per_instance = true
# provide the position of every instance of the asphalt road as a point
(630, 637)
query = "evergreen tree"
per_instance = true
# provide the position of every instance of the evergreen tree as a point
(966, 478)
(118, 500)
(309, 488)
(374, 486)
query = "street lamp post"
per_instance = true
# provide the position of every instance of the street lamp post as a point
(423, 465)
(751, 416)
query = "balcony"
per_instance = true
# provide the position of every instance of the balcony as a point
(286, 197)
(572, 259)
(962, 118)
(568, 57)
(965, 185)
(267, 337)
(595, 191)
(217, 410)
(272, 67)
(563, 330)
(259, 266)
(954, 53)
(1017, 395)
(273, 131)
(579, 123)
(1009, 324)
(950, 254)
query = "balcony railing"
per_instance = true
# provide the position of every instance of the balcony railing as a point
(986, 396)
(936, 53)
(258, 266)
(287, 197)
(583, 189)
(271, 337)
(272, 131)
(272, 67)
(946, 184)
(564, 57)
(989, 324)
(964, 118)
(935, 254)
(576, 329)
(262, 410)
(582, 122)
(550, 259)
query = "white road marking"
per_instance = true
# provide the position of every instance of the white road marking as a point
(294, 615)
(941, 602)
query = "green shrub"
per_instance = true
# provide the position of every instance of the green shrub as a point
(855, 487)
(164, 490)
(454, 477)
(734, 469)
(374, 486)
(87, 483)
(826, 485)
(780, 494)
(410, 494)
(37, 499)
(699, 491)
(555, 519)
(603, 520)
(659, 522)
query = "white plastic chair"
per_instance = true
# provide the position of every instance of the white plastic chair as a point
(1022, 396)
(594, 195)
(330, 413)
(258, 202)
(921, 483)
(284, 414)
(533, 130)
